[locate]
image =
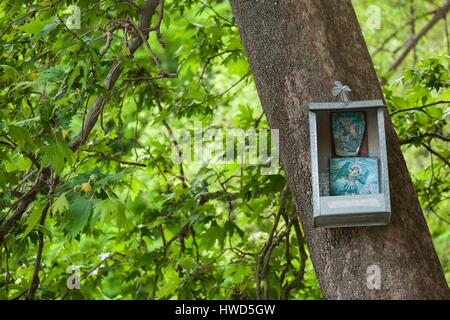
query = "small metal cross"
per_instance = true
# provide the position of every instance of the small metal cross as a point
(342, 91)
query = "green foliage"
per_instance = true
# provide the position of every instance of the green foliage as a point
(32, 218)
(419, 102)
(57, 154)
(417, 96)
(77, 215)
(139, 225)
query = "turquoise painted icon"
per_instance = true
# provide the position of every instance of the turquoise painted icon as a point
(354, 176)
(348, 131)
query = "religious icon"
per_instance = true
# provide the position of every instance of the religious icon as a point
(354, 176)
(348, 131)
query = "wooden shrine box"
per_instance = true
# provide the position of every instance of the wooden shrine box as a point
(348, 210)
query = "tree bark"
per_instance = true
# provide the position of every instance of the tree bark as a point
(296, 50)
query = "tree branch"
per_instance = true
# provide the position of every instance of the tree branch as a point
(162, 76)
(29, 155)
(412, 42)
(172, 136)
(266, 251)
(208, 60)
(34, 284)
(24, 202)
(395, 32)
(147, 12)
(436, 154)
(111, 158)
(423, 135)
(302, 256)
(420, 108)
(157, 27)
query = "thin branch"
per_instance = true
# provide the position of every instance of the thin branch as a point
(420, 108)
(104, 156)
(396, 30)
(7, 274)
(131, 3)
(29, 155)
(24, 202)
(440, 156)
(287, 246)
(423, 135)
(149, 49)
(264, 256)
(108, 35)
(240, 252)
(265, 270)
(209, 59)
(98, 265)
(412, 29)
(74, 34)
(161, 76)
(412, 41)
(161, 172)
(235, 84)
(183, 232)
(172, 136)
(430, 189)
(302, 256)
(157, 27)
(215, 12)
(258, 121)
(34, 284)
(194, 240)
(447, 36)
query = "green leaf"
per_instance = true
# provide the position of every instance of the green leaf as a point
(75, 73)
(114, 207)
(46, 231)
(32, 218)
(230, 228)
(245, 116)
(9, 73)
(17, 162)
(58, 154)
(170, 285)
(60, 204)
(215, 232)
(19, 134)
(34, 27)
(51, 74)
(239, 67)
(77, 215)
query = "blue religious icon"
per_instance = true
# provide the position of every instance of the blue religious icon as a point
(354, 176)
(348, 131)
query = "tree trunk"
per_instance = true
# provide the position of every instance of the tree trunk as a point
(296, 50)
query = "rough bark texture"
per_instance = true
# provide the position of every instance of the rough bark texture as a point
(296, 50)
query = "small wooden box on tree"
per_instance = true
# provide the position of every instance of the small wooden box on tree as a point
(350, 180)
